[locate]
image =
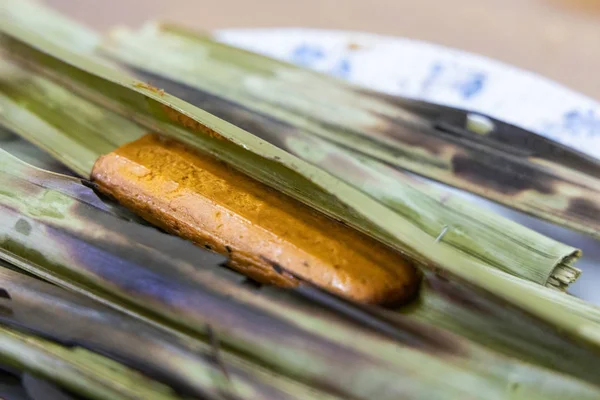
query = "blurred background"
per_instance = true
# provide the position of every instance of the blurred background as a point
(556, 38)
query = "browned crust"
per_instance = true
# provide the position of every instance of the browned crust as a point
(262, 231)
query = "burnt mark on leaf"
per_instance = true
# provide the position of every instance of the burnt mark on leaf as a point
(5, 311)
(510, 138)
(277, 268)
(584, 208)
(216, 351)
(251, 283)
(275, 265)
(425, 337)
(89, 184)
(409, 135)
(382, 322)
(496, 173)
(456, 294)
(544, 148)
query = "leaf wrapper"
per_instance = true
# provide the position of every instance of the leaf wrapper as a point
(170, 116)
(177, 287)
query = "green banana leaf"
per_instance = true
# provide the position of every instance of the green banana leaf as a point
(500, 242)
(179, 287)
(532, 256)
(544, 351)
(77, 369)
(479, 233)
(188, 366)
(163, 113)
(520, 170)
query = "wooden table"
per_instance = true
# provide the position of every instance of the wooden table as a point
(556, 38)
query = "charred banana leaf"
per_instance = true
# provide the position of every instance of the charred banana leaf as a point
(484, 235)
(165, 280)
(533, 257)
(88, 249)
(503, 163)
(191, 367)
(546, 352)
(77, 369)
(170, 116)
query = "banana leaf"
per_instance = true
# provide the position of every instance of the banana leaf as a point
(40, 110)
(134, 267)
(94, 245)
(186, 365)
(500, 243)
(533, 256)
(38, 389)
(510, 166)
(29, 153)
(46, 21)
(546, 353)
(160, 112)
(479, 233)
(11, 388)
(556, 385)
(77, 369)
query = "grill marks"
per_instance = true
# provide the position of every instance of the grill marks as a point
(4, 294)
(584, 208)
(494, 173)
(500, 165)
(5, 308)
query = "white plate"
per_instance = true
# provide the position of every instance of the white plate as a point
(456, 78)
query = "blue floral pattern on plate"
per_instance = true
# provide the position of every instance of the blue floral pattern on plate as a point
(577, 123)
(315, 57)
